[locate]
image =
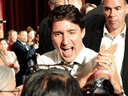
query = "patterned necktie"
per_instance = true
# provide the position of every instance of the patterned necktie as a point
(68, 67)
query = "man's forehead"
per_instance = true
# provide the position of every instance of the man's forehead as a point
(113, 3)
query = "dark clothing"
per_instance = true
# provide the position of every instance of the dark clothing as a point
(24, 57)
(45, 41)
(94, 33)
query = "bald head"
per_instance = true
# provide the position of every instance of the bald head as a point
(54, 3)
(76, 3)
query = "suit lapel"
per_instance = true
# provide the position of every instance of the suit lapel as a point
(125, 63)
(96, 40)
(21, 45)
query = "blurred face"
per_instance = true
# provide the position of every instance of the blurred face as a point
(22, 36)
(31, 35)
(10, 87)
(76, 3)
(115, 11)
(13, 36)
(3, 45)
(67, 39)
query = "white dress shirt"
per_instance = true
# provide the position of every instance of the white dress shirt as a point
(86, 60)
(119, 54)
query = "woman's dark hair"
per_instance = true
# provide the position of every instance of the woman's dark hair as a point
(29, 29)
(67, 12)
(4, 40)
(51, 82)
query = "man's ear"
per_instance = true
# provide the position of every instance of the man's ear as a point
(51, 6)
(83, 33)
(126, 8)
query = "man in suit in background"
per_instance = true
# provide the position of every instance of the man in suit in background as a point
(24, 55)
(110, 29)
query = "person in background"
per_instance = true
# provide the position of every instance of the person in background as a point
(37, 38)
(10, 57)
(1, 33)
(37, 42)
(7, 82)
(31, 36)
(110, 28)
(12, 37)
(24, 53)
(86, 8)
(76, 3)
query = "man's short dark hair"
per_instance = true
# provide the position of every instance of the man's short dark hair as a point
(21, 31)
(67, 12)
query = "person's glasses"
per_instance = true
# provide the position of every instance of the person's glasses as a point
(16, 91)
(37, 67)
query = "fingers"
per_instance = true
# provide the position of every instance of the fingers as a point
(111, 49)
(103, 60)
(102, 49)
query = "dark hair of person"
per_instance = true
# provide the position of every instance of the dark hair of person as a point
(4, 40)
(67, 12)
(37, 33)
(21, 31)
(10, 31)
(85, 6)
(29, 29)
(51, 82)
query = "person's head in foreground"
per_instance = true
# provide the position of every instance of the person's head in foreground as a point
(51, 82)
(7, 82)
(66, 25)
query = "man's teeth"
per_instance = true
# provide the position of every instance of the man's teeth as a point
(67, 48)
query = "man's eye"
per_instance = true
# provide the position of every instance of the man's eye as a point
(106, 8)
(57, 34)
(118, 8)
(72, 32)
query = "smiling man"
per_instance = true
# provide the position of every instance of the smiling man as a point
(67, 32)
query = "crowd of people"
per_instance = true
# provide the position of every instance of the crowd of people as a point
(79, 50)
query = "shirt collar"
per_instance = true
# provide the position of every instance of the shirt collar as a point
(123, 33)
(24, 43)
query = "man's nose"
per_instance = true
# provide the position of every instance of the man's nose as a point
(112, 13)
(65, 39)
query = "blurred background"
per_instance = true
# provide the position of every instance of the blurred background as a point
(23, 13)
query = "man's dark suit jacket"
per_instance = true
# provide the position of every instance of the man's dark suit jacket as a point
(94, 33)
(45, 41)
(23, 55)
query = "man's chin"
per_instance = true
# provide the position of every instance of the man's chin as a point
(68, 59)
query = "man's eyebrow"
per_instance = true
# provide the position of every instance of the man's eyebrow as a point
(107, 7)
(118, 7)
(56, 31)
(71, 29)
